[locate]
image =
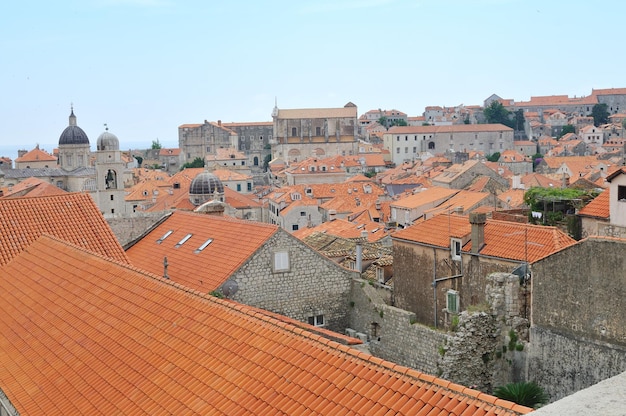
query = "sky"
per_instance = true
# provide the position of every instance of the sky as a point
(144, 67)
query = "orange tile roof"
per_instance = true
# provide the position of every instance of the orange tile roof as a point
(238, 200)
(32, 187)
(503, 239)
(169, 152)
(82, 334)
(317, 113)
(453, 128)
(468, 200)
(234, 241)
(598, 207)
(514, 198)
(36, 155)
(346, 229)
(73, 217)
(428, 196)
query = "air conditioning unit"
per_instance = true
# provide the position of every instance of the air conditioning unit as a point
(351, 332)
(361, 336)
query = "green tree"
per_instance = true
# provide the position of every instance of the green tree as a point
(519, 120)
(600, 114)
(494, 157)
(528, 394)
(537, 158)
(568, 128)
(266, 162)
(196, 163)
(383, 122)
(156, 144)
(496, 113)
(399, 122)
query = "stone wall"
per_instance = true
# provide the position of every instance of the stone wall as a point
(314, 285)
(563, 364)
(393, 333)
(578, 337)
(129, 228)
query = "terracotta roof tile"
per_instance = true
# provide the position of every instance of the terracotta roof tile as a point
(598, 207)
(503, 239)
(233, 242)
(73, 217)
(36, 155)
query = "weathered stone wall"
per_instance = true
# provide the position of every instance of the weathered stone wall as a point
(393, 333)
(415, 266)
(563, 364)
(314, 284)
(127, 229)
(578, 337)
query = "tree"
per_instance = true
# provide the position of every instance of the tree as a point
(266, 162)
(519, 120)
(496, 113)
(383, 122)
(568, 128)
(537, 158)
(156, 144)
(600, 114)
(528, 394)
(197, 163)
(399, 122)
(494, 157)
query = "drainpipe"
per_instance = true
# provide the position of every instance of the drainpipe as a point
(435, 283)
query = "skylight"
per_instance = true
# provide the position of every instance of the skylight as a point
(184, 239)
(167, 234)
(204, 245)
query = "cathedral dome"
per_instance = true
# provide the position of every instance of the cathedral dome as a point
(108, 141)
(204, 187)
(73, 134)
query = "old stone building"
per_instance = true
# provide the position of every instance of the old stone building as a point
(321, 132)
(252, 263)
(441, 264)
(408, 143)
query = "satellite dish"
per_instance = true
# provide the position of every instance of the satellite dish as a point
(229, 288)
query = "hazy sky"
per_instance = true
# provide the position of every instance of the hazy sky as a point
(145, 67)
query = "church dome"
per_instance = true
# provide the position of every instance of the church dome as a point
(204, 187)
(73, 134)
(108, 141)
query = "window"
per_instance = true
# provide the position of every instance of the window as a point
(294, 131)
(452, 301)
(281, 261)
(318, 131)
(184, 239)
(431, 145)
(406, 150)
(621, 193)
(302, 214)
(380, 274)
(249, 186)
(455, 248)
(238, 187)
(316, 320)
(294, 227)
(167, 234)
(204, 245)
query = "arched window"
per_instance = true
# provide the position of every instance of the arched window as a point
(111, 180)
(431, 145)
(256, 161)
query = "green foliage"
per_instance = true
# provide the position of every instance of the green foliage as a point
(519, 120)
(512, 340)
(494, 157)
(217, 294)
(352, 304)
(496, 113)
(156, 144)
(197, 163)
(413, 320)
(600, 114)
(519, 347)
(454, 323)
(536, 196)
(527, 394)
(442, 350)
(467, 120)
(381, 313)
(568, 128)
(481, 307)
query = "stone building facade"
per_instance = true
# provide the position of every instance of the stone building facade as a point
(311, 288)
(200, 140)
(408, 143)
(577, 331)
(321, 132)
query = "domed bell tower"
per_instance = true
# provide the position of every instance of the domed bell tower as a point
(110, 176)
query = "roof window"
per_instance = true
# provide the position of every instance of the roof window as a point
(204, 245)
(167, 234)
(184, 239)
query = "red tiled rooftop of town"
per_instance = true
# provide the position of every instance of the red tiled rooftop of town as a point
(83, 334)
(73, 217)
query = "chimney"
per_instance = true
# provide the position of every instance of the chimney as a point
(478, 220)
(219, 123)
(359, 256)
(165, 264)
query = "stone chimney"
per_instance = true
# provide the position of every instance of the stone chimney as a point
(478, 221)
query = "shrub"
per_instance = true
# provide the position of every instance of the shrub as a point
(525, 393)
